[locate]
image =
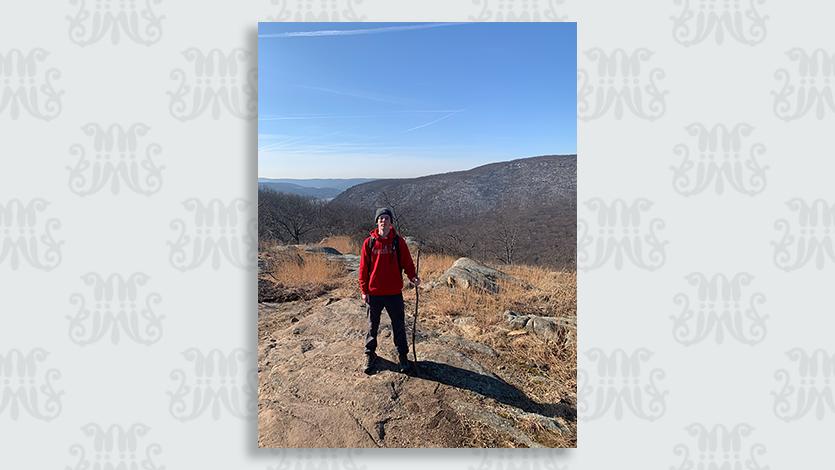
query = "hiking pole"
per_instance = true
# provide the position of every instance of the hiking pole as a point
(417, 298)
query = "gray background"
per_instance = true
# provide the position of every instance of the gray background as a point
(127, 192)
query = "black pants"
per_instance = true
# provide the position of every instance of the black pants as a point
(394, 306)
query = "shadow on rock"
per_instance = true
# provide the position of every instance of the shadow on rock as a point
(492, 387)
(485, 385)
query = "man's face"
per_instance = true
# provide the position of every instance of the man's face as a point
(384, 223)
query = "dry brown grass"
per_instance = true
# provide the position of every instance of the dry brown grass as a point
(547, 369)
(539, 292)
(300, 269)
(342, 243)
(535, 427)
(433, 265)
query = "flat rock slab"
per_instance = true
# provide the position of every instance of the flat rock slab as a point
(312, 392)
(351, 262)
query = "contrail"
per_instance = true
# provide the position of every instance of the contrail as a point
(352, 32)
(355, 116)
(432, 121)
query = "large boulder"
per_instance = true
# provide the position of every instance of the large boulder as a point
(544, 327)
(466, 273)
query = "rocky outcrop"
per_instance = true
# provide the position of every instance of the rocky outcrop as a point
(544, 327)
(313, 394)
(325, 250)
(292, 253)
(466, 273)
(351, 262)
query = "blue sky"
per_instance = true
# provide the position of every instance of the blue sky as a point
(396, 100)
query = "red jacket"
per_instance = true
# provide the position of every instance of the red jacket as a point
(382, 275)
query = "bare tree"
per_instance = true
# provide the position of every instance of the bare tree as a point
(287, 216)
(345, 219)
(265, 221)
(506, 239)
(459, 243)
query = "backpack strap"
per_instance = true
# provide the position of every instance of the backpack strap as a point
(369, 247)
(396, 247)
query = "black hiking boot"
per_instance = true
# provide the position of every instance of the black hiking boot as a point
(370, 359)
(406, 366)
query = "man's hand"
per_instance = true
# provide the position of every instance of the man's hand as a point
(416, 281)
(365, 298)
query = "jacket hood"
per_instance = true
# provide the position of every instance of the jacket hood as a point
(375, 234)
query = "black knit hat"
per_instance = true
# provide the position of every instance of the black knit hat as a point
(381, 211)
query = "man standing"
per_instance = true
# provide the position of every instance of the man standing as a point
(384, 255)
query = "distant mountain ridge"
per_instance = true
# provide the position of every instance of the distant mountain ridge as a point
(518, 211)
(319, 188)
(522, 210)
(521, 183)
(290, 188)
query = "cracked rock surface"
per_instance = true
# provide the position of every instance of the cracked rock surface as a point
(312, 392)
